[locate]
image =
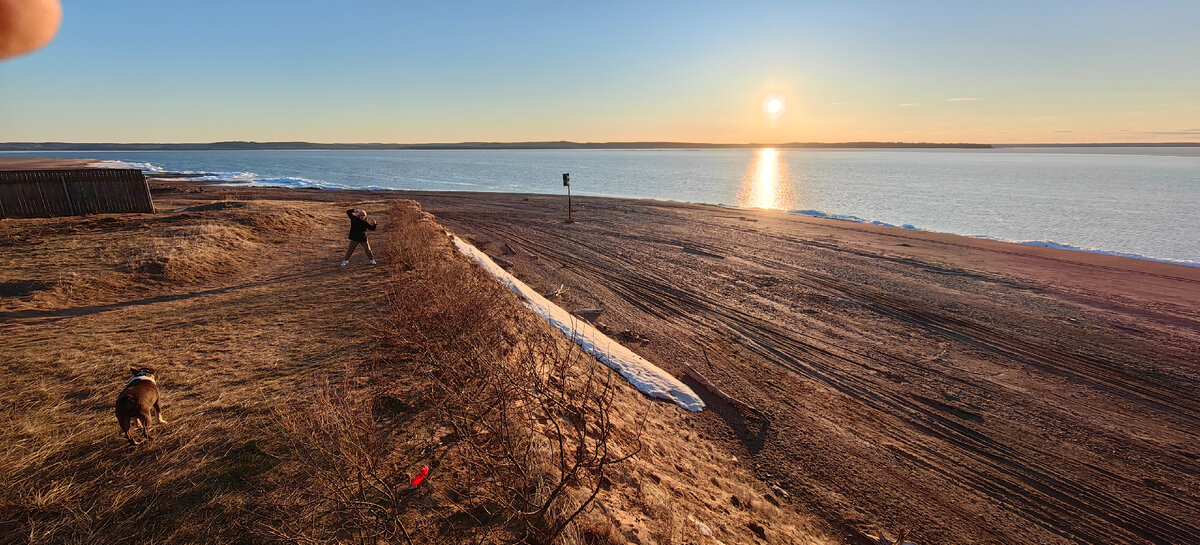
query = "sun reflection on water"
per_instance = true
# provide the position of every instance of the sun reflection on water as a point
(766, 184)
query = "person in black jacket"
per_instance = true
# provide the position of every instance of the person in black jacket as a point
(358, 234)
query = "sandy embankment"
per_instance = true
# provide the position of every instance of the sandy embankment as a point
(973, 390)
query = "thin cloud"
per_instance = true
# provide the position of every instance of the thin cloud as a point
(1184, 132)
(908, 104)
(836, 103)
(963, 99)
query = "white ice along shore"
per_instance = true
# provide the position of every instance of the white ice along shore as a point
(643, 375)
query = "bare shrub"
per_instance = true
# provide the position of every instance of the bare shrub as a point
(536, 428)
(356, 467)
(513, 420)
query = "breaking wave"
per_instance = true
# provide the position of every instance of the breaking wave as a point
(145, 167)
(234, 178)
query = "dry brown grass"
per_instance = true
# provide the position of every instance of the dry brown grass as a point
(227, 350)
(56, 261)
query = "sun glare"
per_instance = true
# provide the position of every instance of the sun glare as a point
(766, 183)
(773, 106)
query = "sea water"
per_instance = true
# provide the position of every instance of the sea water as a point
(1141, 202)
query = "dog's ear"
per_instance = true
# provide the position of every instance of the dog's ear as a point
(133, 370)
(149, 370)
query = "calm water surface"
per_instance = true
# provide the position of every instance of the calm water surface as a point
(1142, 201)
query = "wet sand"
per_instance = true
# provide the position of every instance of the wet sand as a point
(973, 391)
(31, 163)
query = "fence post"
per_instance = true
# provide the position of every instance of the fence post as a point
(67, 193)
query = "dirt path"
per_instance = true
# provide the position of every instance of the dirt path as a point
(974, 391)
(230, 351)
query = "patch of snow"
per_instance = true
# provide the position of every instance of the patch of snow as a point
(843, 217)
(643, 375)
(1061, 246)
(702, 527)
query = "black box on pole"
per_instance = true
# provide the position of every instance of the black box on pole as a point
(567, 184)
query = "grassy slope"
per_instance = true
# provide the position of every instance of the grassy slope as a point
(232, 342)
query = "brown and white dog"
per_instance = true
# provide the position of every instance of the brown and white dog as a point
(136, 400)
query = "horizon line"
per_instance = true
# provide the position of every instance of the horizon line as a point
(543, 144)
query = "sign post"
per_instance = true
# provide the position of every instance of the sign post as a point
(567, 183)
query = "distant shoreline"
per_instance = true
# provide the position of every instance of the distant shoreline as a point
(563, 145)
(559, 145)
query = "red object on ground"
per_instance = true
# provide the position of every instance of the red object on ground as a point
(424, 472)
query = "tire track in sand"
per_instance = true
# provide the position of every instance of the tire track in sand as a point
(1079, 509)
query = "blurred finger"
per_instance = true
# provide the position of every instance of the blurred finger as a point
(26, 25)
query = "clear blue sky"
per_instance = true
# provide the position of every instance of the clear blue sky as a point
(349, 71)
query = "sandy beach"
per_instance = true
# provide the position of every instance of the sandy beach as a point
(982, 391)
(970, 390)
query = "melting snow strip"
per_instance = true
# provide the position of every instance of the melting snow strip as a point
(643, 375)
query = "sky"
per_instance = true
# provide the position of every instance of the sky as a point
(387, 71)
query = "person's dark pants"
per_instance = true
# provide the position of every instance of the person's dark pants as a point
(354, 244)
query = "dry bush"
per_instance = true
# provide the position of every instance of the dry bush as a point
(514, 422)
(356, 467)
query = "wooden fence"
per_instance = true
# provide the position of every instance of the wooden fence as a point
(45, 193)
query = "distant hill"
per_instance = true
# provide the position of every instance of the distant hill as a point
(239, 145)
(74, 146)
(1106, 145)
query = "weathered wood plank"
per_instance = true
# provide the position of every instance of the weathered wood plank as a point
(43, 193)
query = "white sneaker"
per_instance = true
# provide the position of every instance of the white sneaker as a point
(343, 263)
(372, 261)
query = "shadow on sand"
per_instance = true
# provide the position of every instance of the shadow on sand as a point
(751, 430)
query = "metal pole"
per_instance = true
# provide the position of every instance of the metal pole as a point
(567, 182)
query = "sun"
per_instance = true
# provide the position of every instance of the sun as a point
(774, 106)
